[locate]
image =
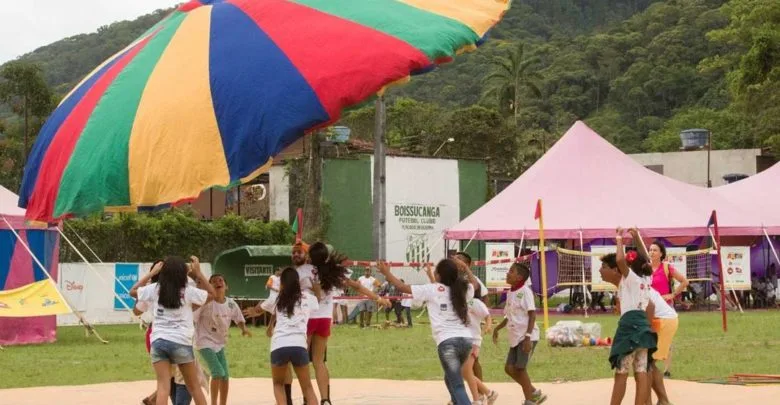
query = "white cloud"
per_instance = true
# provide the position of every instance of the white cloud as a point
(29, 24)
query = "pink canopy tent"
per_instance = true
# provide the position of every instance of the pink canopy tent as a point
(17, 269)
(588, 185)
(759, 193)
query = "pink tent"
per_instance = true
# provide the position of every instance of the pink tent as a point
(18, 269)
(759, 194)
(588, 185)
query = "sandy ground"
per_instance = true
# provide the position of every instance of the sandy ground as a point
(256, 391)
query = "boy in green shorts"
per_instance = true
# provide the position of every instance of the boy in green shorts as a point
(212, 323)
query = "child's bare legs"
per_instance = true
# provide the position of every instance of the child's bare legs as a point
(477, 368)
(279, 378)
(619, 388)
(163, 371)
(520, 375)
(642, 388)
(224, 385)
(656, 378)
(318, 346)
(468, 375)
(302, 373)
(190, 373)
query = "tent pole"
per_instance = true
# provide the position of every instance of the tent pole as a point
(585, 293)
(82, 241)
(87, 325)
(105, 282)
(731, 288)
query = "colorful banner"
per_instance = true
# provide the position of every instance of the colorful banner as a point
(736, 267)
(495, 274)
(126, 275)
(597, 284)
(35, 299)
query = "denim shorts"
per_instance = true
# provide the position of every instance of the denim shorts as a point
(174, 353)
(298, 356)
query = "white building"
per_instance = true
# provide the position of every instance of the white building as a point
(691, 166)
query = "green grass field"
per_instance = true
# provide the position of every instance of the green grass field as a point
(702, 350)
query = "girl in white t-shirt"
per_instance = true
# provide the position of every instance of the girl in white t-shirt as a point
(171, 300)
(292, 310)
(332, 277)
(447, 304)
(634, 341)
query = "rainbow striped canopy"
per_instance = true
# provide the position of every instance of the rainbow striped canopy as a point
(211, 93)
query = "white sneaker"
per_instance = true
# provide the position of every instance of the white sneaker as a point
(478, 402)
(490, 398)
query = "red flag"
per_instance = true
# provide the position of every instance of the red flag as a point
(713, 219)
(538, 213)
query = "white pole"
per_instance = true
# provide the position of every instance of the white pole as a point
(82, 241)
(102, 279)
(42, 267)
(522, 240)
(471, 240)
(771, 246)
(585, 293)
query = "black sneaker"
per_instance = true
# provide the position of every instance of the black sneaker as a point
(667, 374)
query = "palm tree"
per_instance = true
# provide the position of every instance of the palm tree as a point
(508, 74)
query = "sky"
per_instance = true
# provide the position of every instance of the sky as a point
(29, 24)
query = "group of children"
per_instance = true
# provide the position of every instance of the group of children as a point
(302, 303)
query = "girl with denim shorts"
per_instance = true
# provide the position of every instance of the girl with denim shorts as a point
(171, 301)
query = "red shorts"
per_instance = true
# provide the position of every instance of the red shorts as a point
(319, 327)
(149, 338)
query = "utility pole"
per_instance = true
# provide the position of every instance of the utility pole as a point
(379, 197)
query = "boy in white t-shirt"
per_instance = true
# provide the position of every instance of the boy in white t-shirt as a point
(664, 322)
(520, 318)
(367, 307)
(212, 326)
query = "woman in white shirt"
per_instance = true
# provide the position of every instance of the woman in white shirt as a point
(292, 308)
(172, 301)
(447, 304)
(332, 277)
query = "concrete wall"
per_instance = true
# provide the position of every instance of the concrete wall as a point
(691, 167)
(91, 292)
(279, 193)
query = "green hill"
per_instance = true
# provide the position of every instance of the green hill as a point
(638, 71)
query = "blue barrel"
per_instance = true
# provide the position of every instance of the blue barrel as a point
(694, 138)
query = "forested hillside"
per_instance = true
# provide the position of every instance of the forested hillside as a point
(638, 71)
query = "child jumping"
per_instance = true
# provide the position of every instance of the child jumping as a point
(634, 341)
(212, 322)
(520, 318)
(171, 300)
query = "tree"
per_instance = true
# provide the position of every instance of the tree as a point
(25, 91)
(509, 78)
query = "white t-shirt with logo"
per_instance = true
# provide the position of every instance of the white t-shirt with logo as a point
(445, 323)
(174, 325)
(212, 323)
(662, 309)
(518, 304)
(290, 331)
(478, 311)
(633, 292)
